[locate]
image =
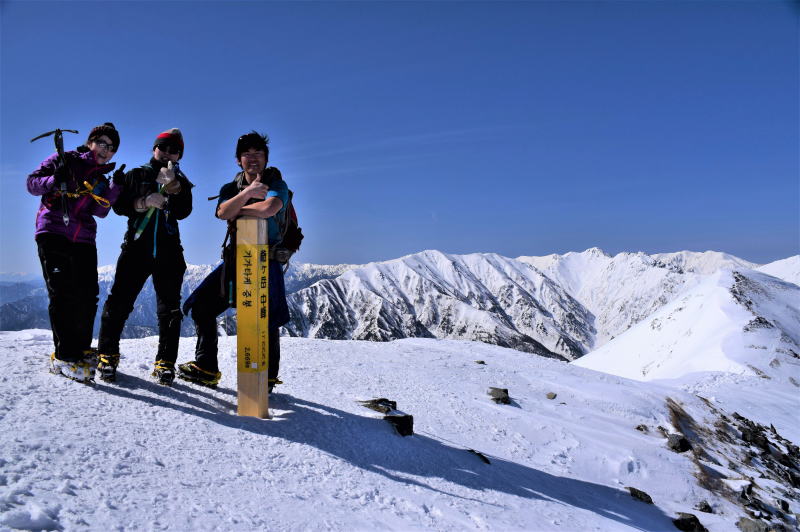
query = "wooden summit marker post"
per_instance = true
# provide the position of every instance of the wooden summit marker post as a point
(252, 313)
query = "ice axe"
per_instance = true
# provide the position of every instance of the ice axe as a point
(58, 137)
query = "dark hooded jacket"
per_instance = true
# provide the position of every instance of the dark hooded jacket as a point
(163, 223)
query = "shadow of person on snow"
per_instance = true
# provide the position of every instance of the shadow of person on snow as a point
(371, 444)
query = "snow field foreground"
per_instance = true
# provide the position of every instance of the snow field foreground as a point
(138, 456)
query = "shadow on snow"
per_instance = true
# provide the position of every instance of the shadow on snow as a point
(371, 444)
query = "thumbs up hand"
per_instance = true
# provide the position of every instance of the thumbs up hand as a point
(166, 177)
(118, 177)
(256, 189)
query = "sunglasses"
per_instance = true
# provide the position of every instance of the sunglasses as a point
(172, 149)
(105, 146)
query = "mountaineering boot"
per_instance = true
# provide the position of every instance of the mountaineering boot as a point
(107, 366)
(271, 384)
(90, 357)
(193, 373)
(77, 370)
(164, 372)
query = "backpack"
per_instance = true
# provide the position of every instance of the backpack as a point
(291, 234)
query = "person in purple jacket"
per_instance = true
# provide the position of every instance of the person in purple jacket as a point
(67, 244)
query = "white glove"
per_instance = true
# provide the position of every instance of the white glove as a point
(166, 175)
(155, 200)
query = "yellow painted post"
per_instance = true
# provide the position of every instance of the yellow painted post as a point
(252, 309)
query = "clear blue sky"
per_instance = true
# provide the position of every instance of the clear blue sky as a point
(522, 128)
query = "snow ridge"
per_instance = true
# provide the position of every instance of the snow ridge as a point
(484, 297)
(739, 322)
(787, 269)
(558, 305)
(620, 291)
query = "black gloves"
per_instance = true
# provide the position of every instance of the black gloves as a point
(62, 171)
(118, 177)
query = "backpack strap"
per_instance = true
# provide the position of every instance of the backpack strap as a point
(287, 212)
(229, 233)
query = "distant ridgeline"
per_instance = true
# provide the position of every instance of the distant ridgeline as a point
(23, 304)
(558, 306)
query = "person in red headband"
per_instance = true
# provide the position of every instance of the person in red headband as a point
(156, 196)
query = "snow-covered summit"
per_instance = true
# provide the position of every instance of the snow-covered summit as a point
(545, 262)
(705, 263)
(302, 275)
(787, 269)
(619, 291)
(741, 322)
(195, 273)
(482, 296)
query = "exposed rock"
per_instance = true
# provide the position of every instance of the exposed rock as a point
(741, 286)
(402, 423)
(758, 372)
(551, 395)
(639, 494)
(703, 506)
(480, 362)
(749, 525)
(751, 451)
(688, 522)
(642, 428)
(746, 491)
(500, 395)
(678, 443)
(382, 405)
(758, 323)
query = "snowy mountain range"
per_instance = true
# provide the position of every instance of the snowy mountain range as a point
(23, 304)
(567, 304)
(484, 297)
(678, 409)
(559, 306)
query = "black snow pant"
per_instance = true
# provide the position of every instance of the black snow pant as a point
(211, 299)
(70, 274)
(135, 264)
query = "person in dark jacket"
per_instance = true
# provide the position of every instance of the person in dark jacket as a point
(156, 196)
(66, 243)
(260, 191)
